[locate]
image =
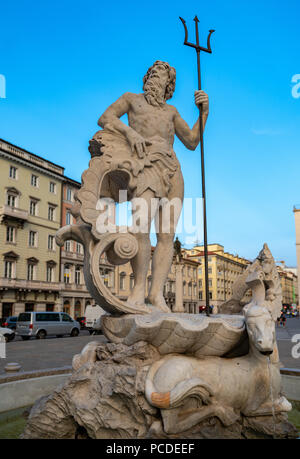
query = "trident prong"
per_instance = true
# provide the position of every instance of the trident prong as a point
(196, 45)
(199, 48)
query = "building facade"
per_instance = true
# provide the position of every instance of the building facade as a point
(30, 215)
(223, 270)
(74, 294)
(120, 281)
(289, 285)
(297, 226)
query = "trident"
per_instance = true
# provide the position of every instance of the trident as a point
(199, 48)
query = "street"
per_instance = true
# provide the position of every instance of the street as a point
(37, 354)
(58, 352)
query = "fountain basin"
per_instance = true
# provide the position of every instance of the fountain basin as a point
(196, 335)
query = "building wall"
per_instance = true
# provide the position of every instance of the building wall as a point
(223, 270)
(74, 294)
(120, 281)
(297, 225)
(289, 285)
(19, 290)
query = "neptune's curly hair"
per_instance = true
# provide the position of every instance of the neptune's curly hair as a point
(172, 78)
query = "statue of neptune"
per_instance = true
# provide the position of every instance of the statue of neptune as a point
(152, 124)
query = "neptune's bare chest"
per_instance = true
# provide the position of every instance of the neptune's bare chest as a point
(150, 120)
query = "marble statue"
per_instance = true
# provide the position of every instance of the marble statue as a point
(161, 374)
(136, 159)
(174, 377)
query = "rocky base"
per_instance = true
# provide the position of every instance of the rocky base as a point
(105, 399)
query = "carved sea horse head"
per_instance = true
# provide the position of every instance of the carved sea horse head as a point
(261, 329)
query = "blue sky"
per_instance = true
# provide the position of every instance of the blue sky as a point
(65, 62)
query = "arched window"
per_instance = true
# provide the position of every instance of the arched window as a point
(131, 280)
(77, 311)
(122, 280)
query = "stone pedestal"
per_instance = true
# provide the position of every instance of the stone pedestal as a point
(104, 398)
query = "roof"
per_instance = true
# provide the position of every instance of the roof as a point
(29, 152)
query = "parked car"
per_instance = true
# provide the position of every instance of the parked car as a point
(82, 322)
(93, 315)
(7, 333)
(42, 324)
(11, 322)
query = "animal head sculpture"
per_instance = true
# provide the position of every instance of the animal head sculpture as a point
(260, 328)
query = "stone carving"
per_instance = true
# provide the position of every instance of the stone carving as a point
(163, 374)
(179, 333)
(135, 162)
(189, 390)
(179, 384)
(272, 295)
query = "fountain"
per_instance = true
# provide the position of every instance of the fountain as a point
(162, 374)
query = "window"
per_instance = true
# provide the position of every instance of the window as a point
(51, 212)
(32, 238)
(9, 269)
(68, 218)
(30, 271)
(122, 281)
(200, 283)
(11, 200)
(200, 295)
(10, 234)
(51, 242)
(44, 317)
(200, 271)
(68, 246)
(52, 187)
(77, 276)
(131, 282)
(78, 247)
(209, 270)
(13, 172)
(33, 207)
(69, 194)
(50, 270)
(34, 180)
(66, 318)
(67, 274)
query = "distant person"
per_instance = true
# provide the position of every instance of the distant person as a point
(283, 318)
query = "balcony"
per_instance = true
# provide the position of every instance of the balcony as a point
(73, 286)
(13, 213)
(72, 255)
(169, 295)
(22, 284)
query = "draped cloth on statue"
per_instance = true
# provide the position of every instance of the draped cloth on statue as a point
(153, 172)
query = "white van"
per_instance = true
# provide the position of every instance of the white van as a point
(93, 315)
(42, 324)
